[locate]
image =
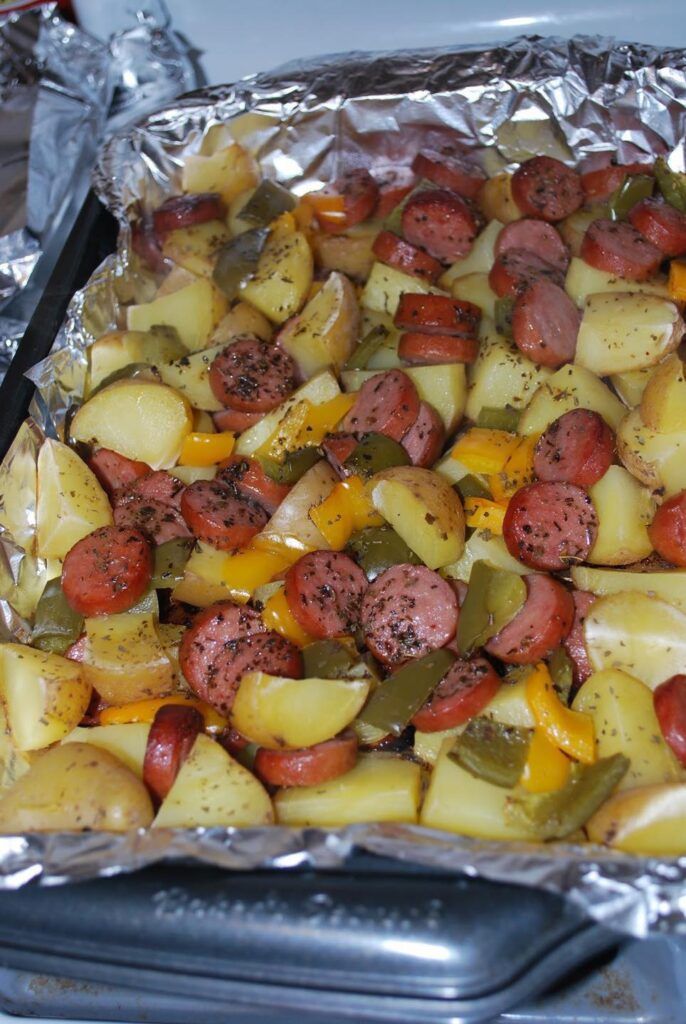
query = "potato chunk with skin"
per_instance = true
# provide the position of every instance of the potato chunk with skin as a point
(623, 331)
(212, 789)
(228, 171)
(283, 713)
(126, 742)
(443, 386)
(663, 402)
(423, 509)
(317, 390)
(381, 787)
(624, 510)
(496, 199)
(140, 419)
(650, 820)
(501, 375)
(583, 280)
(191, 376)
(74, 787)
(570, 387)
(124, 659)
(669, 585)
(283, 276)
(385, 285)
(291, 526)
(118, 349)
(71, 502)
(326, 331)
(657, 460)
(196, 248)
(45, 695)
(194, 311)
(625, 723)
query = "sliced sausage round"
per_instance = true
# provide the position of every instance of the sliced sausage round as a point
(310, 766)
(436, 314)
(337, 448)
(387, 403)
(601, 182)
(515, 270)
(188, 210)
(463, 692)
(251, 375)
(538, 627)
(618, 248)
(259, 652)
(667, 531)
(173, 732)
(231, 419)
(545, 324)
(360, 194)
(550, 526)
(578, 448)
(669, 700)
(440, 222)
(218, 516)
(546, 189)
(158, 486)
(215, 629)
(115, 471)
(398, 253)
(324, 590)
(419, 349)
(107, 572)
(661, 224)
(425, 439)
(451, 171)
(574, 642)
(534, 236)
(394, 184)
(247, 479)
(408, 611)
(157, 520)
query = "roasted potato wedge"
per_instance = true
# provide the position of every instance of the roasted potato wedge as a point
(663, 402)
(650, 820)
(75, 787)
(501, 375)
(317, 390)
(350, 254)
(241, 319)
(496, 200)
(657, 460)
(124, 659)
(190, 375)
(291, 526)
(126, 742)
(668, 585)
(381, 787)
(196, 248)
(71, 502)
(212, 789)
(570, 387)
(485, 546)
(118, 349)
(326, 331)
(194, 311)
(280, 284)
(138, 418)
(624, 509)
(623, 331)
(423, 509)
(476, 288)
(385, 285)
(631, 385)
(228, 171)
(583, 280)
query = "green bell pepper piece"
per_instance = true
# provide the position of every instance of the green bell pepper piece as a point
(560, 667)
(374, 453)
(56, 624)
(327, 659)
(671, 183)
(295, 465)
(558, 814)
(633, 189)
(170, 562)
(470, 486)
(238, 259)
(395, 701)
(499, 419)
(371, 343)
(267, 202)
(377, 548)
(494, 596)
(492, 751)
(502, 315)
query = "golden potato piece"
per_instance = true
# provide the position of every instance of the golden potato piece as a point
(126, 742)
(657, 460)
(124, 659)
(570, 387)
(13, 763)
(194, 311)
(241, 319)
(191, 376)
(423, 509)
(212, 789)
(45, 695)
(485, 546)
(385, 285)
(117, 349)
(444, 386)
(496, 200)
(327, 330)
(140, 419)
(283, 713)
(71, 502)
(74, 787)
(477, 289)
(669, 585)
(228, 171)
(649, 820)
(291, 526)
(381, 787)
(624, 511)
(584, 280)
(280, 284)
(631, 385)
(196, 248)
(501, 375)
(317, 390)
(623, 331)
(663, 402)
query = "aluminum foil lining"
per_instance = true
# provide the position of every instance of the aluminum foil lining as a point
(575, 99)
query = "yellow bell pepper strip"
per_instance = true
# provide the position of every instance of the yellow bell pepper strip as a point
(249, 569)
(201, 449)
(483, 450)
(677, 281)
(145, 711)
(345, 511)
(305, 424)
(571, 731)
(546, 768)
(517, 471)
(278, 616)
(484, 514)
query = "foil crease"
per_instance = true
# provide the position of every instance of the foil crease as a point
(576, 99)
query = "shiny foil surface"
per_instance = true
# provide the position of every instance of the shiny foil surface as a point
(305, 122)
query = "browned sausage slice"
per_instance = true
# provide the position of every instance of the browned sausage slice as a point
(436, 314)
(451, 171)
(115, 471)
(545, 324)
(618, 248)
(578, 448)
(513, 271)
(214, 629)
(185, 211)
(534, 236)
(538, 627)
(398, 253)
(424, 440)
(324, 590)
(387, 403)
(259, 652)
(394, 184)
(158, 521)
(547, 189)
(408, 611)
(219, 517)
(251, 375)
(172, 734)
(146, 244)
(667, 531)
(440, 222)
(231, 419)
(463, 692)
(661, 224)
(107, 572)
(574, 642)
(550, 526)
(310, 766)
(247, 479)
(419, 349)
(360, 194)
(601, 182)
(158, 486)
